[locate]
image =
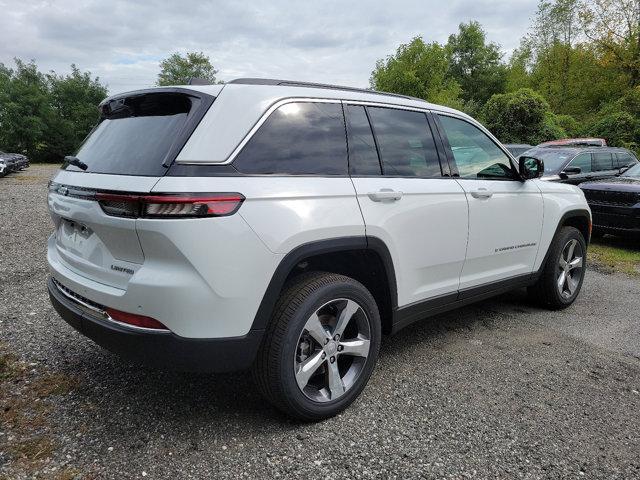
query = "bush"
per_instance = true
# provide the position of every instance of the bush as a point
(522, 116)
(620, 129)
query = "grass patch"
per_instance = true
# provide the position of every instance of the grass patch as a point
(616, 255)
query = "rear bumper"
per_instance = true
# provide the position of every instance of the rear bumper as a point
(160, 349)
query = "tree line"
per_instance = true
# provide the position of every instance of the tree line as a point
(575, 73)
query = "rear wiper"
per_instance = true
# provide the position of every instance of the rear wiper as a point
(76, 162)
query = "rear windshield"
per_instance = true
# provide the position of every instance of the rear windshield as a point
(135, 134)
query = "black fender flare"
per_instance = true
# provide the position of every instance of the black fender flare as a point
(302, 252)
(577, 213)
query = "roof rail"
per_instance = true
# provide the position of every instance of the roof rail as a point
(198, 81)
(294, 83)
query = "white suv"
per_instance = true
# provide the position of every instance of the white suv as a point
(286, 226)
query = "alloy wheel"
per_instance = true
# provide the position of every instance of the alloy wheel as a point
(570, 268)
(332, 350)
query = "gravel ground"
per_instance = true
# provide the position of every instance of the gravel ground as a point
(497, 390)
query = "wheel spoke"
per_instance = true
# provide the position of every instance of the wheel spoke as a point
(357, 347)
(307, 368)
(572, 284)
(575, 263)
(345, 316)
(336, 387)
(561, 280)
(563, 262)
(316, 330)
(572, 247)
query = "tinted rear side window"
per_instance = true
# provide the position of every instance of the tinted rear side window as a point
(405, 142)
(298, 139)
(135, 134)
(624, 159)
(363, 156)
(602, 161)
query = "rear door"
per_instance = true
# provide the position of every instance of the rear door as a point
(407, 198)
(505, 214)
(129, 150)
(604, 165)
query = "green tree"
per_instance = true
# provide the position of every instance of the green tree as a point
(614, 27)
(178, 69)
(522, 116)
(74, 99)
(420, 70)
(475, 64)
(46, 116)
(25, 111)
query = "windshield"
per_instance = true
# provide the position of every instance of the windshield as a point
(135, 134)
(633, 171)
(555, 159)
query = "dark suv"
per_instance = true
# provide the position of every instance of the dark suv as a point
(580, 164)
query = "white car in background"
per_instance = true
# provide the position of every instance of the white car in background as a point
(284, 227)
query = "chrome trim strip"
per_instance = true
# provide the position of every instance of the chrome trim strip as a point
(284, 101)
(78, 299)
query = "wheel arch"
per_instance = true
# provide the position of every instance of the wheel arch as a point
(366, 259)
(577, 218)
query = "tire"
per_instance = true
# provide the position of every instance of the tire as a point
(291, 348)
(547, 291)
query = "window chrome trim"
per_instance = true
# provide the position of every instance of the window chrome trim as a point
(283, 101)
(259, 124)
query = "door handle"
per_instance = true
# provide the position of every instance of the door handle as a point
(385, 195)
(482, 193)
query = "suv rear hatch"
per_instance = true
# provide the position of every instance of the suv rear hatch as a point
(94, 200)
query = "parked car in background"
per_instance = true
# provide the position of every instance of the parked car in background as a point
(580, 164)
(615, 203)
(585, 142)
(12, 162)
(517, 149)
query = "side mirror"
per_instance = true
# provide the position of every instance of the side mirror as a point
(530, 167)
(572, 171)
(623, 169)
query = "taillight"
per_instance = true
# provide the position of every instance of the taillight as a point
(170, 205)
(135, 320)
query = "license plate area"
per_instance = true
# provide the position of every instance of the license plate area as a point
(75, 237)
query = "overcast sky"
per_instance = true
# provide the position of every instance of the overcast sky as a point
(338, 42)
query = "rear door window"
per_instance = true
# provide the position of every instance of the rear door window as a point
(363, 155)
(299, 138)
(135, 135)
(602, 161)
(624, 159)
(405, 142)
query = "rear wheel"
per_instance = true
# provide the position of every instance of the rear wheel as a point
(563, 272)
(320, 347)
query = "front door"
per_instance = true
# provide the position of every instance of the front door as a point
(505, 214)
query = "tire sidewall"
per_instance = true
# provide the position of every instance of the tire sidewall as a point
(350, 290)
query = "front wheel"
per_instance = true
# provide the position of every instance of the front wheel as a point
(320, 347)
(563, 271)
